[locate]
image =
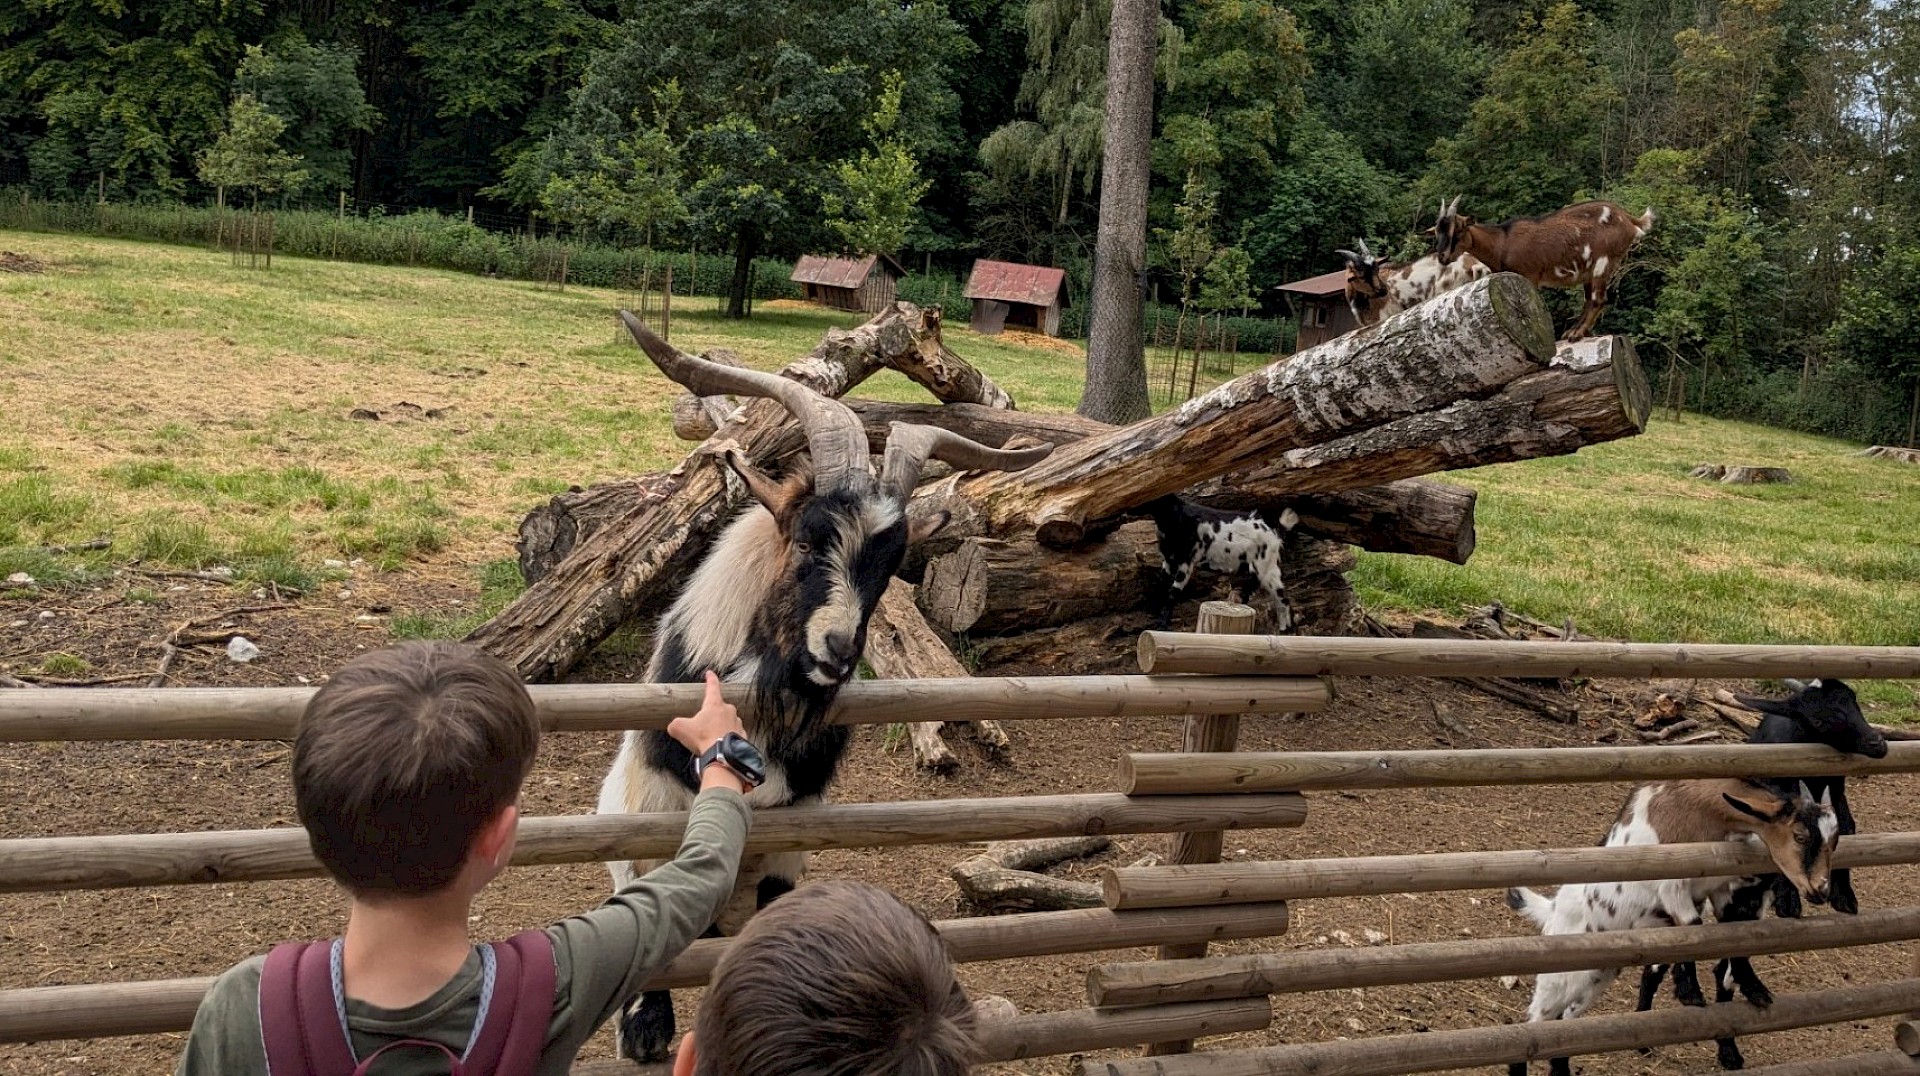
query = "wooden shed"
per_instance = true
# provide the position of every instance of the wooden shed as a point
(1024, 296)
(1322, 302)
(868, 284)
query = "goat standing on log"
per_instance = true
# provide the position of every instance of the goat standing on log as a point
(1798, 832)
(781, 603)
(1818, 712)
(1377, 290)
(1193, 536)
(1584, 244)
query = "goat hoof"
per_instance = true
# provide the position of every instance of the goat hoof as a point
(645, 1029)
(1845, 902)
(1730, 1057)
(1758, 995)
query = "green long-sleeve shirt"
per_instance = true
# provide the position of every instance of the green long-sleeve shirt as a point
(602, 958)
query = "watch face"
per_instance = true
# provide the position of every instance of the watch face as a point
(738, 749)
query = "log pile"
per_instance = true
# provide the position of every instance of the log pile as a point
(1341, 433)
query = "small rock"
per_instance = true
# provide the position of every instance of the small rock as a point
(18, 624)
(1343, 937)
(221, 570)
(355, 562)
(366, 618)
(1373, 937)
(1353, 1023)
(241, 650)
(303, 679)
(48, 614)
(1509, 981)
(345, 593)
(20, 579)
(1466, 932)
(331, 563)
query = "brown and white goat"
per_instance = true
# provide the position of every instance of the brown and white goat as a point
(1798, 832)
(1377, 289)
(780, 604)
(1583, 245)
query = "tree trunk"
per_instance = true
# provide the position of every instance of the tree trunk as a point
(1462, 346)
(636, 559)
(902, 646)
(1116, 386)
(746, 245)
(991, 587)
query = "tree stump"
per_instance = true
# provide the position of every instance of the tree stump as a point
(1888, 452)
(1755, 476)
(902, 646)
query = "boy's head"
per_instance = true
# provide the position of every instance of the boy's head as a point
(403, 757)
(836, 978)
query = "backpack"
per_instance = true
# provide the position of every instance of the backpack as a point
(303, 1021)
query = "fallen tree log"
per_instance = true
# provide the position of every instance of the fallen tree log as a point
(1464, 345)
(1591, 391)
(901, 646)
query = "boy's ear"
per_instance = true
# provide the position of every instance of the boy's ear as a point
(495, 838)
(683, 1057)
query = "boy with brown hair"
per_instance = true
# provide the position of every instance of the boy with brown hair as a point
(407, 769)
(836, 978)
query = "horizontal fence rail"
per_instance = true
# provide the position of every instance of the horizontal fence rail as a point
(1046, 1034)
(1436, 1051)
(164, 1005)
(1213, 884)
(47, 864)
(1164, 652)
(1199, 773)
(1213, 979)
(272, 713)
(1884, 1063)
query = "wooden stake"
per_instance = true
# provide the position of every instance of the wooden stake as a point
(1220, 732)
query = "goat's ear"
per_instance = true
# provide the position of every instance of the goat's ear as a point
(1765, 814)
(921, 528)
(773, 495)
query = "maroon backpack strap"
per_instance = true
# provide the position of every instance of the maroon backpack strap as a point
(299, 1022)
(513, 1033)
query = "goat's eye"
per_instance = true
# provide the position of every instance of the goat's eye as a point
(803, 548)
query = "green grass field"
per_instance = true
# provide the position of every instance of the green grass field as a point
(198, 414)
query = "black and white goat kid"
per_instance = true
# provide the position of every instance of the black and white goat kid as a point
(1818, 712)
(780, 603)
(1194, 536)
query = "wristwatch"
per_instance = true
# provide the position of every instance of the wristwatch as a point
(738, 754)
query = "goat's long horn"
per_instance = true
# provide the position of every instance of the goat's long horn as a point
(1453, 207)
(835, 437)
(1364, 249)
(911, 445)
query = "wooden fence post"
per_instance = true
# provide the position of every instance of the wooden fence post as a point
(1217, 732)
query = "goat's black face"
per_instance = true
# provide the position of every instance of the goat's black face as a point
(1448, 233)
(844, 548)
(1830, 713)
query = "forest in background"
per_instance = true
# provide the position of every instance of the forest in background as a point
(1775, 138)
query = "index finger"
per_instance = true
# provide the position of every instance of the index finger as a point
(713, 696)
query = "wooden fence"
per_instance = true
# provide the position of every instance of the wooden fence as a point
(1198, 793)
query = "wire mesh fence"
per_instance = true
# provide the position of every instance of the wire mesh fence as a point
(1188, 352)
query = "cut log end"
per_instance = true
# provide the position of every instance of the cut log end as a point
(1522, 313)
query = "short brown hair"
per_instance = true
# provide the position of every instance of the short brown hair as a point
(402, 756)
(836, 978)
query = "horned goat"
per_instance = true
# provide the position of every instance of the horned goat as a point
(1818, 712)
(1797, 831)
(1582, 245)
(1377, 290)
(781, 604)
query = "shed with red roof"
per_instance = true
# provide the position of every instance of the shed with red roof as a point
(867, 284)
(1024, 296)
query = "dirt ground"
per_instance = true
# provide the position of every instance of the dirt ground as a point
(55, 789)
